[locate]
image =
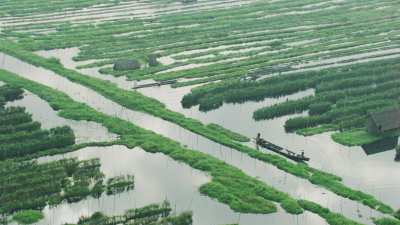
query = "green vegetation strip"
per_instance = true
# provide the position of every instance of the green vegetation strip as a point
(229, 185)
(343, 98)
(330, 217)
(386, 221)
(154, 214)
(21, 136)
(136, 101)
(28, 217)
(29, 185)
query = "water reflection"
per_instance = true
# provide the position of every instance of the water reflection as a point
(157, 178)
(42, 112)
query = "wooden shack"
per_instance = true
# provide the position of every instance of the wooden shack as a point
(126, 64)
(384, 121)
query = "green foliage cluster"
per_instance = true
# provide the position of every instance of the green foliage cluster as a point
(10, 93)
(20, 136)
(282, 109)
(31, 186)
(23, 143)
(397, 213)
(343, 98)
(28, 216)
(120, 184)
(330, 217)
(386, 221)
(156, 214)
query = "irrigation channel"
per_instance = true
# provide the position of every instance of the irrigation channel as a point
(370, 173)
(296, 187)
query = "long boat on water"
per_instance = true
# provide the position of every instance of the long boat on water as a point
(281, 151)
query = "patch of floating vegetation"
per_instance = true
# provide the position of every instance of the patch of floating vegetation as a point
(28, 185)
(20, 135)
(48, 183)
(120, 184)
(386, 221)
(27, 216)
(343, 97)
(41, 111)
(155, 214)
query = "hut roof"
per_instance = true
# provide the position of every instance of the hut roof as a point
(386, 120)
(126, 64)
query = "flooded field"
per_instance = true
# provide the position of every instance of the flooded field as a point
(306, 75)
(353, 164)
(269, 174)
(156, 177)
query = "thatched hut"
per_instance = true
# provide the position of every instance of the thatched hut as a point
(126, 64)
(384, 121)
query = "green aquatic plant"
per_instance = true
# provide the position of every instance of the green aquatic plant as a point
(386, 221)
(330, 217)
(120, 184)
(20, 136)
(156, 214)
(28, 216)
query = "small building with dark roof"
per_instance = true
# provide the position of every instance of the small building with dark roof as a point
(383, 121)
(126, 64)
